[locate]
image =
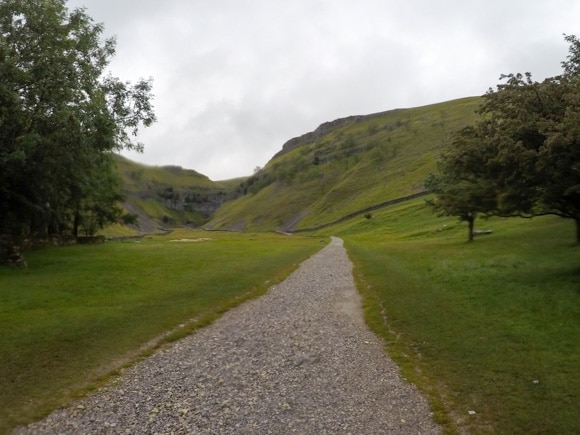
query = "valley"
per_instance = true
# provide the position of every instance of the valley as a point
(341, 168)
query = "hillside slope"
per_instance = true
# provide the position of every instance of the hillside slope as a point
(345, 166)
(167, 196)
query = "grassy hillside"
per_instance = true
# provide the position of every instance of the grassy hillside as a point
(344, 166)
(168, 196)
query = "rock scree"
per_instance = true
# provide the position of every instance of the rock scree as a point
(299, 359)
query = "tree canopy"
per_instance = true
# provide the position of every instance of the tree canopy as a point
(61, 118)
(522, 158)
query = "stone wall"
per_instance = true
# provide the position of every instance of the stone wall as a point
(10, 253)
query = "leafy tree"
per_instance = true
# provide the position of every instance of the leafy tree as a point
(540, 121)
(61, 117)
(559, 157)
(526, 148)
(460, 187)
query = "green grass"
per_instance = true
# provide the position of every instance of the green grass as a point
(491, 326)
(79, 313)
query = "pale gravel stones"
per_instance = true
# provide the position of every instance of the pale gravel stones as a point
(297, 360)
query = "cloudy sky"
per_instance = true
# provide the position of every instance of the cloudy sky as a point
(235, 79)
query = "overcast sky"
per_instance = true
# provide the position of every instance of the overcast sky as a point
(235, 79)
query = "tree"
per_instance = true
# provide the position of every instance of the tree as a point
(61, 118)
(527, 149)
(559, 157)
(540, 119)
(460, 187)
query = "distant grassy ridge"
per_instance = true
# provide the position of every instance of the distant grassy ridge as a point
(170, 196)
(79, 313)
(488, 330)
(349, 165)
(135, 174)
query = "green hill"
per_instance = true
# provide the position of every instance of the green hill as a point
(341, 168)
(345, 166)
(169, 196)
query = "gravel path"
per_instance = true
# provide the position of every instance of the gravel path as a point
(296, 360)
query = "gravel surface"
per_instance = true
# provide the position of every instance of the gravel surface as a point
(296, 360)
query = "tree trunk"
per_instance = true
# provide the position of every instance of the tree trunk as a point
(76, 223)
(471, 224)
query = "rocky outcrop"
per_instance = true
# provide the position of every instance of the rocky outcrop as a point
(322, 130)
(204, 203)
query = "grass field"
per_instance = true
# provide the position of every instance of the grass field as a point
(79, 313)
(490, 330)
